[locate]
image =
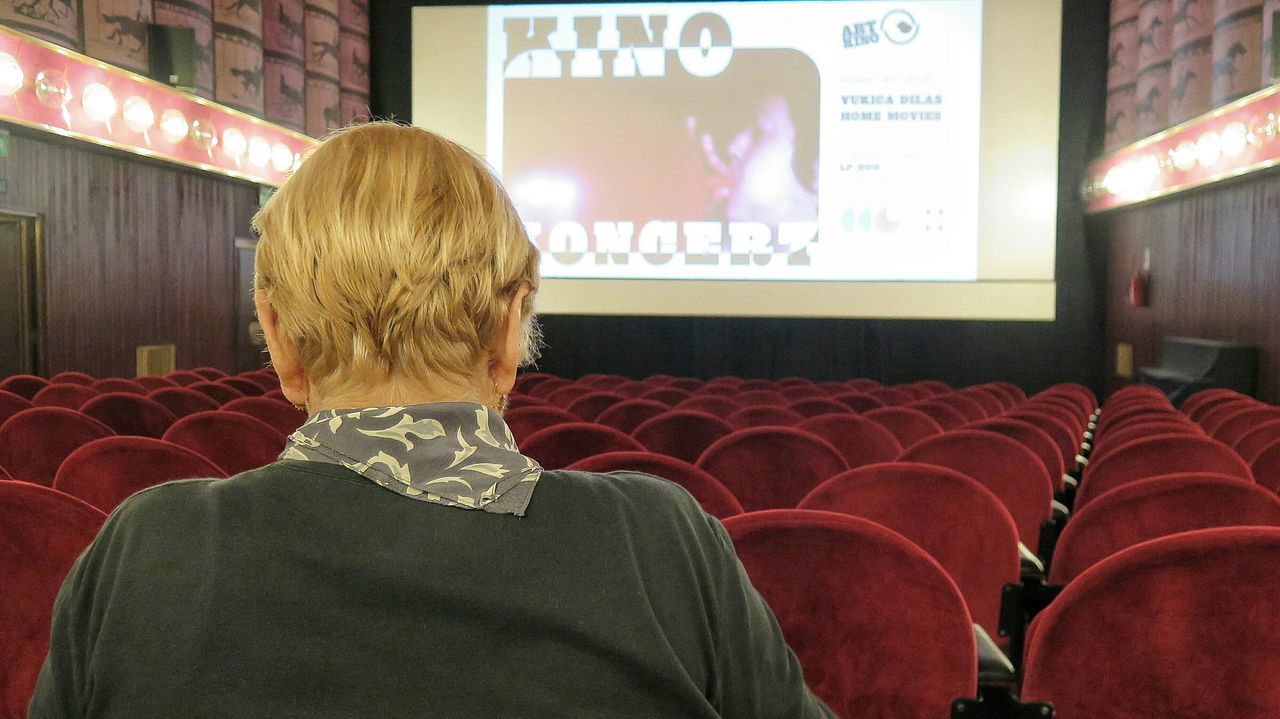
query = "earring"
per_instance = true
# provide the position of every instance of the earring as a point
(500, 401)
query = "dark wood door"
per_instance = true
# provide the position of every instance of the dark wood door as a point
(21, 290)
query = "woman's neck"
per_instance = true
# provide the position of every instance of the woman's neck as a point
(397, 393)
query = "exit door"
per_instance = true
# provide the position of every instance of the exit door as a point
(21, 294)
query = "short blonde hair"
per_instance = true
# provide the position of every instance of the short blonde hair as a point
(393, 252)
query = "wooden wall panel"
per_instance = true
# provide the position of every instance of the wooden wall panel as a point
(1215, 272)
(137, 253)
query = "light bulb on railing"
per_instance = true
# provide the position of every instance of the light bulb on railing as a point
(174, 125)
(1208, 149)
(99, 104)
(259, 152)
(281, 157)
(233, 143)
(12, 77)
(1234, 138)
(1184, 155)
(138, 115)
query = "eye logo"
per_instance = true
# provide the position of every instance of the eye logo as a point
(899, 27)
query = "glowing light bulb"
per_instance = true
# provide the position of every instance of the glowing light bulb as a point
(233, 143)
(12, 77)
(204, 134)
(259, 152)
(1184, 155)
(1234, 138)
(281, 157)
(99, 104)
(52, 89)
(174, 125)
(297, 161)
(1208, 149)
(138, 115)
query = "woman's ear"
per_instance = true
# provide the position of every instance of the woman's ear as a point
(284, 356)
(508, 346)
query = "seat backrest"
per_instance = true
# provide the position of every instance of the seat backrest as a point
(280, 415)
(107, 471)
(246, 387)
(24, 385)
(1242, 422)
(561, 445)
(879, 628)
(1266, 467)
(818, 406)
(628, 414)
(152, 383)
(73, 377)
(182, 401)
(1067, 439)
(546, 386)
(1154, 456)
(992, 401)
(42, 532)
(184, 378)
(683, 434)
(957, 521)
(525, 421)
(264, 380)
(1258, 439)
(1010, 390)
(860, 440)
(631, 389)
(718, 405)
(945, 415)
(968, 407)
(715, 499)
(1011, 471)
(566, 395)
(233, 441)
(71, 396)
(771, 467)
(891, 396)
(764, 416)
(515, 400)
(866, 384)
(1131, 431)
(1203, 402)
(1181, 627)
(1146, 411)
(688, 384)
(210, 373)
(858, 401)
(118, 384)
(795, 392)
(11, 404)
(35, 441)
(1220, 413)
(667, 395)
(761, 398)
(131, 414)
(1034, 439)
(907, 424)
(756, 383)
(590, 406)
(216, 391)
(1157, 507)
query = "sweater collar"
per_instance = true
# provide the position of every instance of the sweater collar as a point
(457, 454)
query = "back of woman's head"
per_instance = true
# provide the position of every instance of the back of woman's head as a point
(392, 253)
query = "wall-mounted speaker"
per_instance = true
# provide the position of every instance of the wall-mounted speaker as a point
(173, 55)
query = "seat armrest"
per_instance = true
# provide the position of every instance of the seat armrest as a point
(993, 666)
(1031, 564)
(1060, 511)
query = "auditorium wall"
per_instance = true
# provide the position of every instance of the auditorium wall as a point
(1033, 354)
(137, 252)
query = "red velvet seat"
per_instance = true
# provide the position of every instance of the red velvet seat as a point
(544, 388)
(216, 391)
(528, 380)
(971, 409)
(1266, 467)
(72, 377)
(566, 395)
(1063, 435)
(151, 383)
(626, 415)
(945, 415)
(233, 441)
(1157, 507)
(711, 404)
(1154, 456)
(682, 434)
(1136, 390)
(724, 381)
(590, 406)
(264, 380)
(23, 385)
(907, 425)
(764, 416)
(818, 406)
(632, 389)
(957, 521)
(42, 532)
(1165, 419)
(756, 383)
(666, 395)
(276, 394)
(280, 415)
(1259, 438)
(11, 404)
(1182, 627)
(716, 390)
(864, 384)
(1214, 418)
(858, 401)
(1034, 439)
(801, 391)
(182, 401)
(761, 398)
(879, 628)
(993, 402)
(515, 400)
(1011, 471)
(35, 441)
(1134, 431)
(686, 384)
(771, 467)
(210, 373)
(525, 421)
(107, 471)
(935, 386)
(243, 386)
(707, 490)
(794, 382)
(130, 414)
(1242, 422)
(1012, 391)
(916, 391)
(860, 440)
(891, 397)
(559, 446)
(184, 378)
(108, 385)
(1065, 408)
(1204, 402)
(71, 396)
(1143, 412)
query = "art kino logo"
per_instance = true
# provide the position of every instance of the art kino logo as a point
(898, 26)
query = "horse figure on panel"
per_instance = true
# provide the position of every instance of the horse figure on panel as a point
(1225, 66)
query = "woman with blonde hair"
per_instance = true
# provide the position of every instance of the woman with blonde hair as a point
(403, 558)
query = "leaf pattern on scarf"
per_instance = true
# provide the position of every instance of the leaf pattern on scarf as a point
(421, 428)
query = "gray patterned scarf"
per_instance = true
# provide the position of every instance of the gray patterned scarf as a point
(457, 454)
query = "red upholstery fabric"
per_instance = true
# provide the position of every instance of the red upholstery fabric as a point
(107, 471)
(11, 404)
(751, 385)
(993, 402)
(1242, 422)
(560, 446)
(864, 384)
(276, 394)
(1182, 627)
(1012, 472)
(182, 401)
(280, 415)
(716, 405)
(1145, 411)
(761, 398)
(716, 390)
(1157, 507)
(243, 386)
(1258, 439)
(714, 498)
(688, 384)
(233, 441)
(907, 425)
(726, 381)
(818, 406)
(1033, 438)
(1068, 440)
(795, 382)
(118, 384)
(184, 378)
(945, 415)
(24, 385)
(1214, 418)
(935, 386)
(1205, 397)
(1166, 419)
(525, 421)
(625, 416)
(210, 373)
(879, 628)
(72, 377)
(265, 380)
(71, 396)
(764, 415)
(1081, 394)
(34, 442)
(1130, 432)
(682, 434)
(1061, 406)
(916, 391)
(1013, 391)
(771, 467)
(1266, 467)
(515, 400)
(632, 389)
(957, 521)
(1136, 390)
(1154, 456)
(858, 401)
(130, 414)
(800, 391)
(860, 440)
(151, 383)
(547, 386)
(891, 397)
(667, 395)
(589, 406)
(528, 380)
(42, 532)
(216, 391)
(565, 396)
(971, 409)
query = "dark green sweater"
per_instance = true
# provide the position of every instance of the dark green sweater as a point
(302, 589)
